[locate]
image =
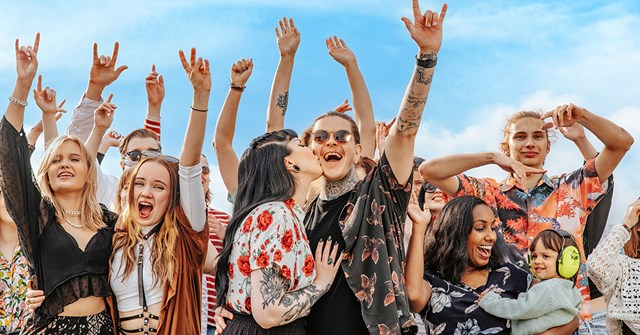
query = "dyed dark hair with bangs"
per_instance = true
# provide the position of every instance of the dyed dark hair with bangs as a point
(262, 178)
(446, 251)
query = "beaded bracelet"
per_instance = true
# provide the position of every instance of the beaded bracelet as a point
(18, 102)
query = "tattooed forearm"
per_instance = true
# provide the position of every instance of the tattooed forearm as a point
(283, 101)
(423, 77)
(432, 55)
(334, 189)
(416, 102)
(404, 125)
(298, 303)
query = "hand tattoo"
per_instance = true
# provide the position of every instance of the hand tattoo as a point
(283, 101)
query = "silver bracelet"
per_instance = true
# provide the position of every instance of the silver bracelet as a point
(18, 102)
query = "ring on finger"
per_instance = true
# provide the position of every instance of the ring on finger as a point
(330, 261)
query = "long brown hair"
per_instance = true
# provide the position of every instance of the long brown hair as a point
(90, 210)
(163, 256)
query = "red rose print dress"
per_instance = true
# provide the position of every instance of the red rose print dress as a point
(272, 235)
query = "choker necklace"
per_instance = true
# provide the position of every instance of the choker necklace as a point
(72, 213)
(73, 224)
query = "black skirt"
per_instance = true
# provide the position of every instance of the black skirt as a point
(247, 325)
(96, 324)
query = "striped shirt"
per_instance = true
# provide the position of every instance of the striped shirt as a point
(211, 279)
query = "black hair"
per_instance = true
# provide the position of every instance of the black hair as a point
(446, 251)
(262, 178)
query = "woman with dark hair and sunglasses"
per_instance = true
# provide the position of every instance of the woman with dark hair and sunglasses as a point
(267, 274)
(616, 274)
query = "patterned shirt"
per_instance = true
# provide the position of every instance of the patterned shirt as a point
(454, 308)
(14, 274)
(210, 287)
(272, 235)
(562, 202)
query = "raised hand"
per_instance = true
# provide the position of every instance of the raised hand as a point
(103, 69)
(103, 116)
(344, 107)
(419, 216)
(426, 29)
(289, 39)
(565, 115)
(241, 71)
(26, 60)
(197, 71)
(382, 131)
(46, 98)
(631, 217)
(340, 51)
(155, 87)
(111, 139)
(519, 170)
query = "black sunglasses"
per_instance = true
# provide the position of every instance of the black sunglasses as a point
(206, 169)
(322, 136)
(429, 188)
(133, 157)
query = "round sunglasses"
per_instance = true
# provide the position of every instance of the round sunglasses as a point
(322, 136)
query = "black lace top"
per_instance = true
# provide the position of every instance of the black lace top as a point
(58, 265)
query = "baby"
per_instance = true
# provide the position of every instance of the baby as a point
(554, 259)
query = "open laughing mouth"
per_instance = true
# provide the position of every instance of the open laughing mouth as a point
(485, 251)
(332, 157)
(144, 209)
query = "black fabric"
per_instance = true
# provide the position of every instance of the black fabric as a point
(57, 265)
(594, 228)
(247, 325)
(96, 324)
(100, 157)
(370, 220)
(338, 311)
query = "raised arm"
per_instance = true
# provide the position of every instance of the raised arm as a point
(616, 139)
(575, 133)
(110, 139)
(418, 289)
(103, 73)
(226, 126)
(200, 77)
(272, 305)
(426, 31)
(363, 108)
(46, 101)
(102, 120)
(442, 171)
(155, 95)
(288, 42)
(26, 67)
(36, 130)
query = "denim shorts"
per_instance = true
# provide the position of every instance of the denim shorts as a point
(597, 325)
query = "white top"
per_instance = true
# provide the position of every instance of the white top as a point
(126, 289)
(617, 276)
(80, 126)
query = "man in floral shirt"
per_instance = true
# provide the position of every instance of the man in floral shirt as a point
(528, 201)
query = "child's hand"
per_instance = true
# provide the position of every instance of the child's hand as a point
(482, 295)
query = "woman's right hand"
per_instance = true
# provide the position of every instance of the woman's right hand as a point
(631, 218)
(34, 297)
(326, 263)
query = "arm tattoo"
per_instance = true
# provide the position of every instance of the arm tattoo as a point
(272, 287)
(283, 101)
(422, 77)
(429, 56)
(334, 189)
(404, 125)
(296, 303)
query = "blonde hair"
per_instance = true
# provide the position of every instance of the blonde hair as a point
(90, 210)
(506, 130)
(163, 256)
(124, 181)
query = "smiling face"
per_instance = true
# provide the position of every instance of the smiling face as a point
(528, 142)
(138, 144)
(482, 236)
(543, 262)
(304, 158)
(337, 159)
(434, 200)
(151, 193)
(68, 170)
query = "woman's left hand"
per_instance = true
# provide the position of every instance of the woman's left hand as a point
(221, 314)
(326, 263)
(27, 61)
(34, 298)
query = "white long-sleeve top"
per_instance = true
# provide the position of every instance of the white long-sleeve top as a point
(617, 276)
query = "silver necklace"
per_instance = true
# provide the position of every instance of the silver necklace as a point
(71, 212)
(73, 224)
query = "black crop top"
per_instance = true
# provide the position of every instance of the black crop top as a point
(58, 266)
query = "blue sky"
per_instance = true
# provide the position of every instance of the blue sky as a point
(497, 57)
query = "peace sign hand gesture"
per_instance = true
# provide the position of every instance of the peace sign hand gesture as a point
(197, 71)
(426, 29)
(27, 61)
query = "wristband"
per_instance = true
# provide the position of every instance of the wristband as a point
(427, 63)
(237, 87)
(18, 102)
(199, 110)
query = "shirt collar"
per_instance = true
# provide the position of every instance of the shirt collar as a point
(510, 182)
